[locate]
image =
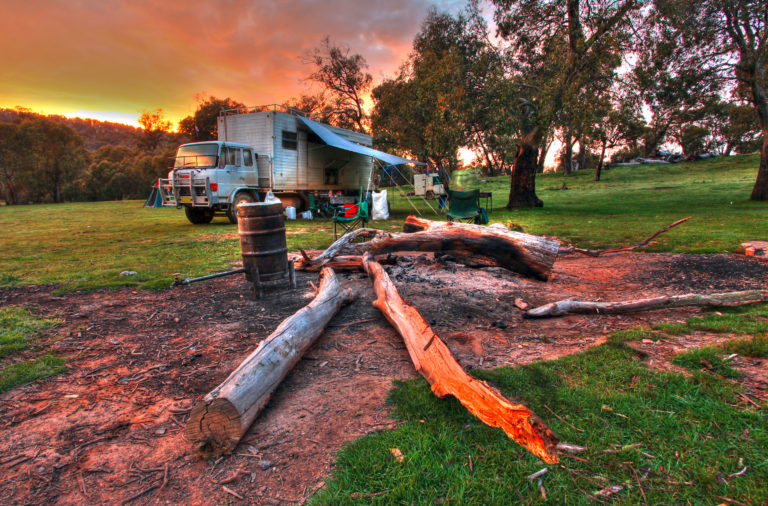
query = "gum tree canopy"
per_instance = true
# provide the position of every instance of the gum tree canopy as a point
(730, 36)
(556, 49)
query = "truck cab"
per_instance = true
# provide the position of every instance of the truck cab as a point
(209, 178)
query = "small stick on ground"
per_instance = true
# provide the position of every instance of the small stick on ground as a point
(642, 492)
(358, 495)
(232, 492)
(644, 242)
(143, 492)
(562, 419)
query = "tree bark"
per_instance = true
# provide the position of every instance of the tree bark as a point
(563, 307)
(433, 360)
(760, 190)
(543, 154)
(522, 189)
(567, 158)
(599, 167)
(473, 245)
(582, 152)
(224, 415)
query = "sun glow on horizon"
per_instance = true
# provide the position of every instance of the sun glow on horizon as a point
(111, 116)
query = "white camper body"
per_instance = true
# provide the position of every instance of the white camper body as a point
(292, 158)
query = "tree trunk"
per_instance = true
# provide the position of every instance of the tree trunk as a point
(473, 245)
(626, 306)
(224, 415)
(760, 190)
(522, 188)
(567, 158)
(599, 167)
(433, 360)
(582, 153)
(543, 154)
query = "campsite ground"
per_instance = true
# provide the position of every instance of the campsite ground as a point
(108, 426)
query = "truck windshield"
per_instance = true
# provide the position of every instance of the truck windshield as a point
(197, 155)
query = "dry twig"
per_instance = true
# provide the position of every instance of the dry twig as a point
(644, 242)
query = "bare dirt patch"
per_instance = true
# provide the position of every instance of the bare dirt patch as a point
(109, 427)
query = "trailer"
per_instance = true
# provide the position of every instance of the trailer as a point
(270, 148)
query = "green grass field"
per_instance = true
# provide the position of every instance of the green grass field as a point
(88, 245)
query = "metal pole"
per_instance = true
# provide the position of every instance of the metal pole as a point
(209, 276)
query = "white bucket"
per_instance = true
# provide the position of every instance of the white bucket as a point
(290, 213)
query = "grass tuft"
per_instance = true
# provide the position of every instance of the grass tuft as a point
(634, 334)
(18, 331)
(707, 358)
(18, 328)
(29, 370)
(756, 346)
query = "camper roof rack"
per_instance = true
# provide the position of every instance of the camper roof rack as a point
(263, 108)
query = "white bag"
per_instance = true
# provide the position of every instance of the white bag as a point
(380, 209)
(271, 199)
(306, 215)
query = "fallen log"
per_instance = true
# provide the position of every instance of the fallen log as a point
(563, 307)
(339, 263)
(473, 245)
(434, 361)
(224, 415)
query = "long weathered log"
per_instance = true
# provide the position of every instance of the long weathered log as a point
(474, 245)
(562, 307)
(434, 361)
(222, 417)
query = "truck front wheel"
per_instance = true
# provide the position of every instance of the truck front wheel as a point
(240, 198)
(199, 215)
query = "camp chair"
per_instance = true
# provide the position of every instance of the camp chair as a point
(350, 217)
(465, 206)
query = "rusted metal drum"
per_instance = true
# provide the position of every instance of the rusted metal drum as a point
(261, 227)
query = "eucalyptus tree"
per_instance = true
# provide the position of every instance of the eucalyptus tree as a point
(557, 48)
(435, 104)
(203, 125)
(729, 36)
(345, 80)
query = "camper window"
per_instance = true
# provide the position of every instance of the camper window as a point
(289, 140)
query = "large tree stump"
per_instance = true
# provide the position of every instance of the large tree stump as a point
(434, 361)
(224, 415)
(473, 245)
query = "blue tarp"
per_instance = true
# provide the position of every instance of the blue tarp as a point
(337, 141)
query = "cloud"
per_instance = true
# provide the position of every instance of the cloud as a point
(132, 55)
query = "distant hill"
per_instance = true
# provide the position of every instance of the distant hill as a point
(95, 133)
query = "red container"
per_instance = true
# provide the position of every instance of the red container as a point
(350, 210)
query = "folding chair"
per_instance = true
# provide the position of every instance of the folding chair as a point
(353, 216)
(465, 206)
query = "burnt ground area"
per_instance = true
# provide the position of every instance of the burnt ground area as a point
(110, 426)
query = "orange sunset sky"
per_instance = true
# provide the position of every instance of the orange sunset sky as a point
(113, 59)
